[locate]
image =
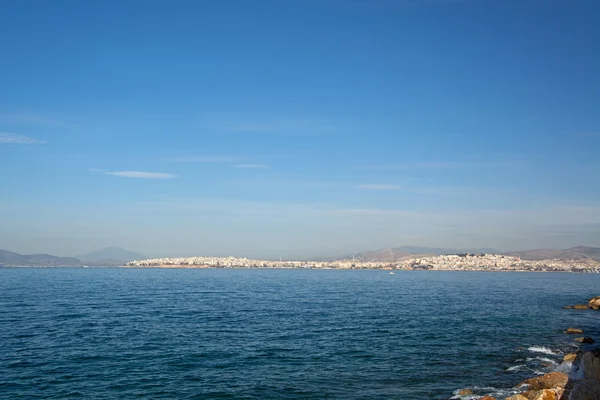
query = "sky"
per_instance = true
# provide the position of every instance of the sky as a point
(298, 128)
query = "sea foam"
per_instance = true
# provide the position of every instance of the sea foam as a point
(541, 349)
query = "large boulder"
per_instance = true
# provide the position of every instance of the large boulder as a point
(573, 330)
(548, 394)
(517, 397)
(465, 392)
(588, 389)
(551, 380)
(487, 398)
(590, 364)
(584, 340)
(544, 394)
(594, 303)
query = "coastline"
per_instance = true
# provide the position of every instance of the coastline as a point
(385, 269)
(577, 377)
(451, 262)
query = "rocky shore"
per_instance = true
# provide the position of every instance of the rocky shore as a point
(580, 381)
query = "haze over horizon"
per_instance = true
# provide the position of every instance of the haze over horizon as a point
(298, 128)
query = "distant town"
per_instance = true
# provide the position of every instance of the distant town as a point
(574, 259)
(450, 262)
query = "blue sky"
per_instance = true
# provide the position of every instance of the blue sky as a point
(298, 128)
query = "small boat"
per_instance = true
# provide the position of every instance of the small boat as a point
(391, 272)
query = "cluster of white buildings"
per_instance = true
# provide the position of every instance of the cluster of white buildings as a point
(497, 262)
(235, 262)
(463, 262)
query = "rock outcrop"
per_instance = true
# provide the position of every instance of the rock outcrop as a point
(551, 380)
(573, 330)
(549, 394)
(570, 357)
(594, 303)
(578, 307)
(517, 397)
(590, 364)
(585, 381)
(588, 389)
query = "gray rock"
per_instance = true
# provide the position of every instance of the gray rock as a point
(588, 389)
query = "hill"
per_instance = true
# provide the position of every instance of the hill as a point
(573, 253)
(441, 251)
(405, 252)
(111, 256)
(37, 260)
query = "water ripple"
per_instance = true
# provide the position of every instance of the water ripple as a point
(286, 334)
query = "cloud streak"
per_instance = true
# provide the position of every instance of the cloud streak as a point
(13, 138)
(142, 175)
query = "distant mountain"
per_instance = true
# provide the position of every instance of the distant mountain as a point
(37, 260)
(442, 251)
(405, 252)
(8, 257)
(574, 253)
(111, 256)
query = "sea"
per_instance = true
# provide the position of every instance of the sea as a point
(283, 334)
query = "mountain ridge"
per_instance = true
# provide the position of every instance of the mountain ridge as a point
(47, 260)
(394, 254)
(107, 257)
(572, 253)
(114, 254)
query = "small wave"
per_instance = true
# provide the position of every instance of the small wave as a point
(566, 367)
(541, 349)
(482, 391)
(542, 359)
(576, 372)
(515, 367)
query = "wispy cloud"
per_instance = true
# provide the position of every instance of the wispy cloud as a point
(251, 166)
(380, 186)
(142, 175)
(13, 138)
(206, 158)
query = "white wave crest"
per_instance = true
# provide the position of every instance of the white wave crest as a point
(541, 349)
(547, 360)
(566, 367)
(475, 389)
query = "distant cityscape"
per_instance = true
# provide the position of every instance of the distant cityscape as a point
(451, 262)
(575, 259)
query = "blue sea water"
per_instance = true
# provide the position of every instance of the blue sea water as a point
(281, 334)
